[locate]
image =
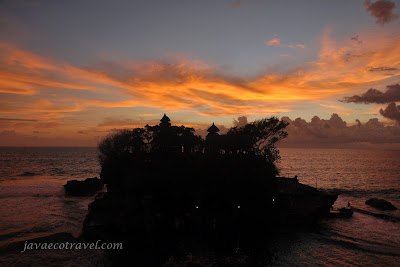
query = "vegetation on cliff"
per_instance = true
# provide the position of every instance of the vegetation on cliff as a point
(174, 191)
(167, 154)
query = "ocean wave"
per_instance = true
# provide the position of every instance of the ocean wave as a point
(19, 243)
(379, 215)
(56, 171)
(365, 191)
(25, 193)
(8, 179)
(360, 244)
(44, 195)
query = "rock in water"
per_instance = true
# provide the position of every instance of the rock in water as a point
(380, 204)
(87, 187)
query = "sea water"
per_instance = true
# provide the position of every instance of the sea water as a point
(362, 240)
(33, 204)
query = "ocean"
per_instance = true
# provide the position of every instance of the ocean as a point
(33, 205)
(358, 175)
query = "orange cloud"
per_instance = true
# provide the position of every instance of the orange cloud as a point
(277, 43)
(274, 42)
(34, 84)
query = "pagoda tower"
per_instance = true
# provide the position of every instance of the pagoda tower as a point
(165, 121)
(212, 131)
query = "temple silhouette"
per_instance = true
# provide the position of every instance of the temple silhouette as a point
(167, 186)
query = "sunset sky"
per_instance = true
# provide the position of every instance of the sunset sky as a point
(73, 71)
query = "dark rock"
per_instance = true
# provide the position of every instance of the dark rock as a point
(98, 223)
(299, 204)
(87, 187)
(380, 204)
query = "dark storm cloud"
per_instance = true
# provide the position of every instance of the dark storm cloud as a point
(372, 69)
(335, 132)
(392, 111)
(15, 119)
(392, 94)
(382, 10)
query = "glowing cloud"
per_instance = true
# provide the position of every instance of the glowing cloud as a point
(49, 90)
(274, 42)
(277, 43)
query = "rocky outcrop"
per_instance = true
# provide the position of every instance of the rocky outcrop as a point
(299, 204)
(87, 187)
(294, 204)
(151, 226)
(99, 220)
(380, 204)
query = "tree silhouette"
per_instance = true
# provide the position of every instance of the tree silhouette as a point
(258, 138)
(122, 150)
